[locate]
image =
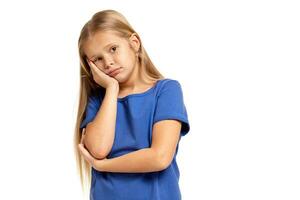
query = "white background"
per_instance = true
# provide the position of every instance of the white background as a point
(238, 64)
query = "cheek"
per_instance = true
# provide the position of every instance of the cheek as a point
(126, 60)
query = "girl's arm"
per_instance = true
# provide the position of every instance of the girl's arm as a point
(140, 161)
(100, 133)
(165, 137)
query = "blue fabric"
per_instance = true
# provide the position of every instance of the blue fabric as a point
(136, 115)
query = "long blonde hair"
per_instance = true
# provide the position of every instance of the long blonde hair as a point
(101, 21)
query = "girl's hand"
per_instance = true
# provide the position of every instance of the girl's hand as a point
(95, 163)
(101, 78)
(82, 136)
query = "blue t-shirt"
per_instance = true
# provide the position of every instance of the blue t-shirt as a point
(136, 115)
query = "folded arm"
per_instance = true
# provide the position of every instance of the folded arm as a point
(158, 157)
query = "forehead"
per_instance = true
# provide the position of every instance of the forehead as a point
(98, 42)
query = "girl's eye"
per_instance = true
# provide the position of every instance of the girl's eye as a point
(114, 48)
(97, 59)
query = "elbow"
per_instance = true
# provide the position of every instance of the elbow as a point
(163, 161)
(95, 151)
(98, 153)
(164, 164)
(95, 148)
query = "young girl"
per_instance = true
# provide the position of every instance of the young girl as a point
(130, 118)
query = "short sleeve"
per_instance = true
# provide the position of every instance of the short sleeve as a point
(170, 105)
(92, 108)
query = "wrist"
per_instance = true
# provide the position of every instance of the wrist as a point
(113, 87)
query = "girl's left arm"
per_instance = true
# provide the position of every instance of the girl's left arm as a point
(165, 137)
(142, 160)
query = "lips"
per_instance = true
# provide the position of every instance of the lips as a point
(112, 72)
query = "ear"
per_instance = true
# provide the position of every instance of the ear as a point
(134, 42)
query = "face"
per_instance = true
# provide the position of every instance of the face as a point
(109, 52)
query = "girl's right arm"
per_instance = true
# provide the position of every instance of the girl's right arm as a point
(100, 133)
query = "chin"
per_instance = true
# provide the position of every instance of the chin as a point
(118, 78)
(121, 79)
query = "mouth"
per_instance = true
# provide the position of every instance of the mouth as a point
(115, 72)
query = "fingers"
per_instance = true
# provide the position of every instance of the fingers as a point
(92, 66)
(86, 154)
(89, 62)
(82, 136)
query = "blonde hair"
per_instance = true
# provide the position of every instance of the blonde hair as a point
(101, 21)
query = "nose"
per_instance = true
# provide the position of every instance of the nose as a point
(108, 63)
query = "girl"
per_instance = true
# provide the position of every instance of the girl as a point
(130, 118)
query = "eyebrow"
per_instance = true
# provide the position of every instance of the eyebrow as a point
(104, 48)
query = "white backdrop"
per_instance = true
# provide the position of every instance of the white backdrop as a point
(238, 64)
